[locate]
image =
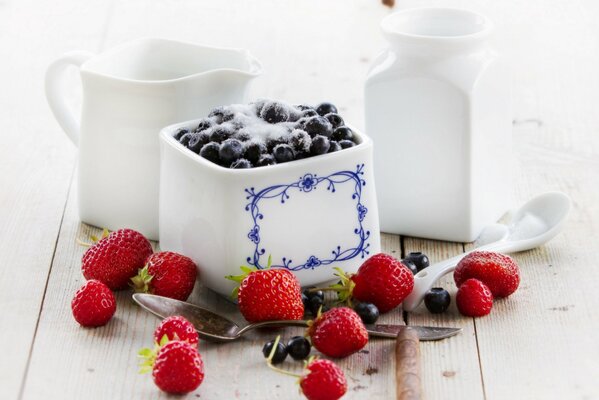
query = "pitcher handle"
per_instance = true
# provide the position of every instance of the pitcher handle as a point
(54, 92)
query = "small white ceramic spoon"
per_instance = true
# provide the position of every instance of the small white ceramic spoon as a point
(534, 224)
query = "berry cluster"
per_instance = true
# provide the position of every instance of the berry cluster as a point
(175, 361)
(267, 132)
(121, 259)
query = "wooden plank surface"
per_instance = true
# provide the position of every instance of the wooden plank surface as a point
(36, 164)
(538, 344)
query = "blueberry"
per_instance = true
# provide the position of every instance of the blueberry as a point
(220, 134)
(326, 108)
(320, 145)
(294, 115)
(314, 304)
(305, 300)
(310, 293)
(411, 266)
(301, 123)
(186, 138)
(180, 133)
(309, 113)
(210, 152)
(298, 347)
(266, 159)
(300, 141)
(335, 146)
(280, 352)
(342, 133)
(253, 150)
(203, 125)
(303, 107)
(221, 114)
(335, 120)
(437, 300)
(242, 135)
(318, 126)
(346, 144)
(242, 163)
(197, 141)
(368, 312)
(283, 153)
(419, 259)
(231, 150)
(272, 142)
(259, 105)
(274, 112)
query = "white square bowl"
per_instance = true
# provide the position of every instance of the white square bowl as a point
(310, 215)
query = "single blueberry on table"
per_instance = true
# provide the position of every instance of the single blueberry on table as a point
(437, 300)
(419, 259)
(342, 133)
(335, 146)
(326, 108)
(315, 303)
(335, 120)
(280, 352)
(346, 144)
(230, 150)
(411, 266)
(242, 163)
(283, 153)
(210, 152)
(368, 312)
(274, 112)
(320, 145)
(299, 347)
(318, 126)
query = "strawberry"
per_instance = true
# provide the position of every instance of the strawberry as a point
(177, 367)
(323, 380)
(498, 272)
(320, 380)
(338, 332)
(116, 258)
(176, 328)
(381, 280)
(268, 294)
(166, 274)
(93, 304)
(474, 299)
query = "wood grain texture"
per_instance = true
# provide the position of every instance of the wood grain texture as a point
(36, 164)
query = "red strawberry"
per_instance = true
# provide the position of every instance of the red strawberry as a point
(177, 367)
(268, 294)
(176, 328)
(474, 299)
(381, 280)
(323, 380)
(499, 272)
(167, 274)
(338, 332)
(94, 304)
(116, 258)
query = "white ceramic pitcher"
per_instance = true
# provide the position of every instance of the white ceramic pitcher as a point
(438, 111)
(129, 93)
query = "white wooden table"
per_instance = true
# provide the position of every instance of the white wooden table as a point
(540, 343)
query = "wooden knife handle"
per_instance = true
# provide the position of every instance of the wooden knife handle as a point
(407, 359)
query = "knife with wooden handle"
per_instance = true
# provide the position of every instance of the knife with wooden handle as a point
(407, 369)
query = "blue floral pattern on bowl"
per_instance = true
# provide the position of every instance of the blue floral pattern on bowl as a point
(306, 184)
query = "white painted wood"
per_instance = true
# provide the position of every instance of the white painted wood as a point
(36, 164)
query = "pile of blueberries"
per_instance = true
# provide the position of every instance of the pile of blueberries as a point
(225, 139)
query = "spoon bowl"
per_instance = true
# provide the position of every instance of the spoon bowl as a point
(535, 223)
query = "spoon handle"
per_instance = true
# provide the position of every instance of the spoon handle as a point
(265, 324)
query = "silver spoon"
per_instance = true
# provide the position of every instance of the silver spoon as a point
(535, 223)
(214, 327)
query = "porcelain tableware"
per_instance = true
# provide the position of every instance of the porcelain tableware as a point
(437, 105)
(129, 93)
(310, 215)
